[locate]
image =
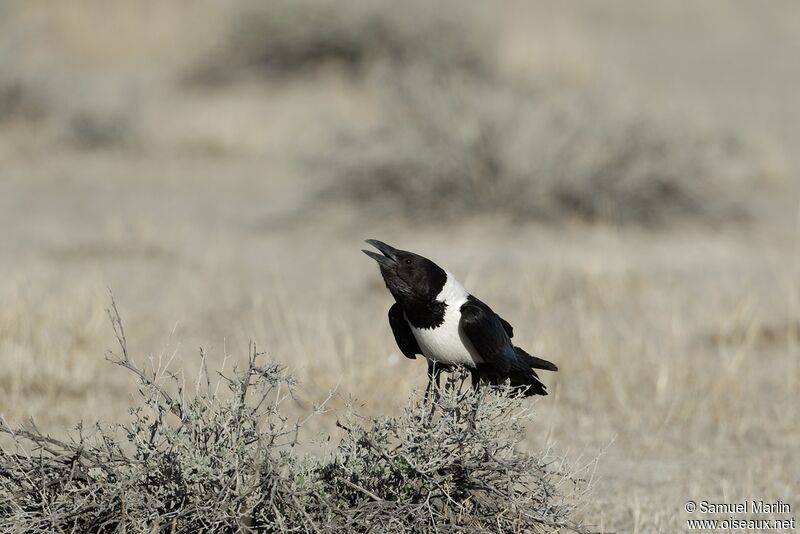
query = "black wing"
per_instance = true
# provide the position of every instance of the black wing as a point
(402, 332)
(490, 337)
(483, 328)
(535, 362)
(506, 326)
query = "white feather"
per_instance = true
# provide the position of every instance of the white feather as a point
(447, 343)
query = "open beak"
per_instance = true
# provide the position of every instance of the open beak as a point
(389, 258)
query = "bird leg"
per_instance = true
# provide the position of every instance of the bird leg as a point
(476, 378)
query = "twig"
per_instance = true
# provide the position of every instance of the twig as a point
(362, 490)
(127, 363)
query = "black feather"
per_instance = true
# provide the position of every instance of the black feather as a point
(536, 363)
(486, 333)
(506, 326)
(503, 361)
(402, 333)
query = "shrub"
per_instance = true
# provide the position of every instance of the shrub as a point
(21, 96)
(445, 153)
(183, 464)
(290, 36)
(222, 462)
(45, 91)
(460, 467)
(18, 100)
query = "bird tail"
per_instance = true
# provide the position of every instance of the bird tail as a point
(526, 383)
(534, 362)
(520, 373)
(523, 376)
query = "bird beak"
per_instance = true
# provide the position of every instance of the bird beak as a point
(389, 258)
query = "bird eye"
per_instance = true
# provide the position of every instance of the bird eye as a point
(408, 261)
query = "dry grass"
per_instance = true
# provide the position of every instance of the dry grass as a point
(677, 344)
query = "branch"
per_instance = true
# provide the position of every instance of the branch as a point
(125, 361)
(362, 490)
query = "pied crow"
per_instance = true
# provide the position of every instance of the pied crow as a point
(434, 316)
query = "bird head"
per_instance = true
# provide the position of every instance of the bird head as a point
(410, 278)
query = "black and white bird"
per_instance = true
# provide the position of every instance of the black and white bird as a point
(434, 316)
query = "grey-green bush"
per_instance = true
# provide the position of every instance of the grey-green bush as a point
(222, 461)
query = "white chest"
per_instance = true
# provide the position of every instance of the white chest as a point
(447, 343)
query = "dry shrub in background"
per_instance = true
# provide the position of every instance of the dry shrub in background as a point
(221, 460)
(279, 37)
(458, 137)
(21, 94)
(17, 99)
(41, 85)
(448, 151)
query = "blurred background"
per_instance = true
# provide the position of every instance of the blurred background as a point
(618, 179)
